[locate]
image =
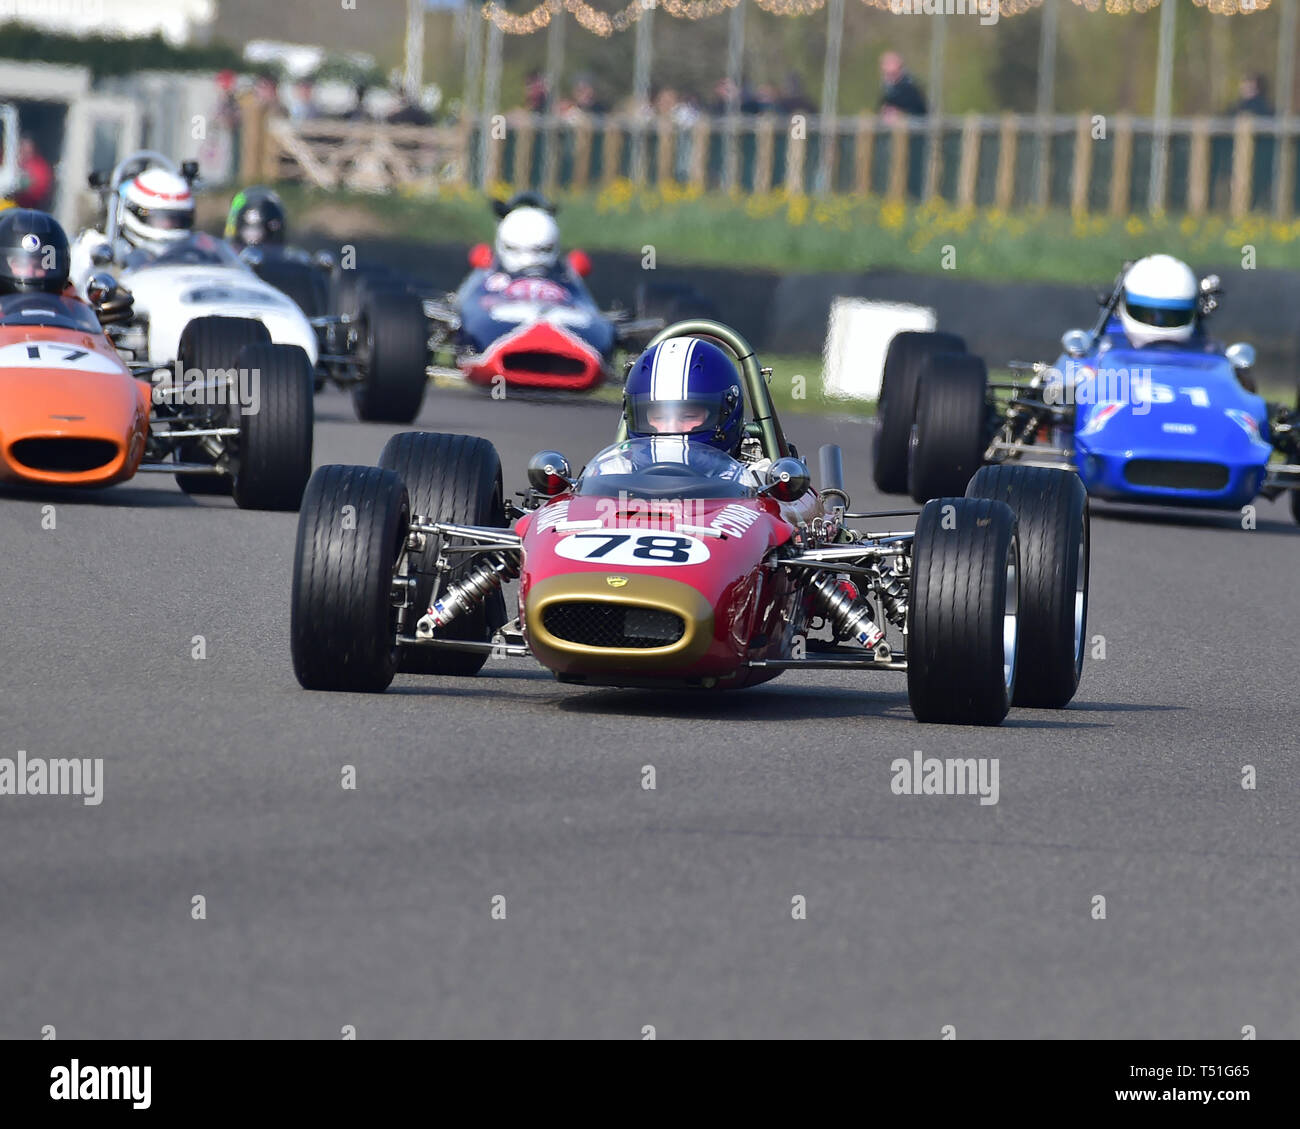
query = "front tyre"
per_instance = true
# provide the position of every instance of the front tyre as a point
(343, 623)
(963, 627)
(1051, 508)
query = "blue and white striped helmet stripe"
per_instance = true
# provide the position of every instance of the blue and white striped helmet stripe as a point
(671, 370)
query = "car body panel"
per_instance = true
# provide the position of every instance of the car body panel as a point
(1169, 425)
(532, 332)
(734, 604)
(70, 412)
(173, 296)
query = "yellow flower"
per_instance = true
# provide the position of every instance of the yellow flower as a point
(893, 214)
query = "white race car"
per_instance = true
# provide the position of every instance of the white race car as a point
(198, 309)
(199, 276)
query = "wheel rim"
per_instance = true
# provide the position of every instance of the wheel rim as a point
(1011, 617)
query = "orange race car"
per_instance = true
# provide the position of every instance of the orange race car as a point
(74, 413)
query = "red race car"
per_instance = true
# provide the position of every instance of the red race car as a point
(671, 564)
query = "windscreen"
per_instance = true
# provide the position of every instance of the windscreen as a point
(48, 310)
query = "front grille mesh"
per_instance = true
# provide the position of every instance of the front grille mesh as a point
(594, 624)
(1176, 474)
(64, 456)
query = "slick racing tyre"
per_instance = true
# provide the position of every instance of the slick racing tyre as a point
(274, 457)
(208, 344)
(393, 347)
(963, 625)
(951, 428)
(1051, 508)
(455, 478)
(305, 283)
(896, 404)
(345, 287)
(1295, 494)
(343, 625)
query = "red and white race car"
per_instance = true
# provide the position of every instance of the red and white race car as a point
(671, 564)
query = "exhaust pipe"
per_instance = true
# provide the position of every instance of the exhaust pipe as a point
(831, 462)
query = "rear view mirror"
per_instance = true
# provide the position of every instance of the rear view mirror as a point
(1240, 355)
(579, 263)
(787, 480)
(100, 286)
(549, 473)
(1075, 342)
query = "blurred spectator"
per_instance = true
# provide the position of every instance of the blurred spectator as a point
(227, 102)
(303, 105)
(1253, 91)
(900, 94)
(36, 177)
(267, 91)
(584, 97)
(537, 98)
(794, 100)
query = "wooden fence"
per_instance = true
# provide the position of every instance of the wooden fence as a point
(1085, 163)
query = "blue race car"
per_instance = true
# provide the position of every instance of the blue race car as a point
(1175, 420)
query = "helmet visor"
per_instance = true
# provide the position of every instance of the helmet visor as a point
(164, 219)
(649, 416)
(1161, 317)
(29, 260)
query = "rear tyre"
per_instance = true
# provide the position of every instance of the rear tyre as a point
(275, 441)
(342, 623)
(896, 404)
(345, 287)
(455, 478)
(950, 433)
(206, 344)
(962, 621)
(393, 346)
(305, 283)
(1051, 508)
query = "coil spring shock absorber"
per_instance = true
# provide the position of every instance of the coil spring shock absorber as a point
(489, 574)
(849, 615)
(893, 592)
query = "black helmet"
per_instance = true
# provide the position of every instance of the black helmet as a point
(34, 253)
(256, 218)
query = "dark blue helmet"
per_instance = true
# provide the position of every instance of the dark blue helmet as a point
(685, 386)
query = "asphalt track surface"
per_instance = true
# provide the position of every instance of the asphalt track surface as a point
(627, 907)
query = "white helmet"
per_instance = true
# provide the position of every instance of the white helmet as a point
(528, 241)
(157, 209)
(1159, 301)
